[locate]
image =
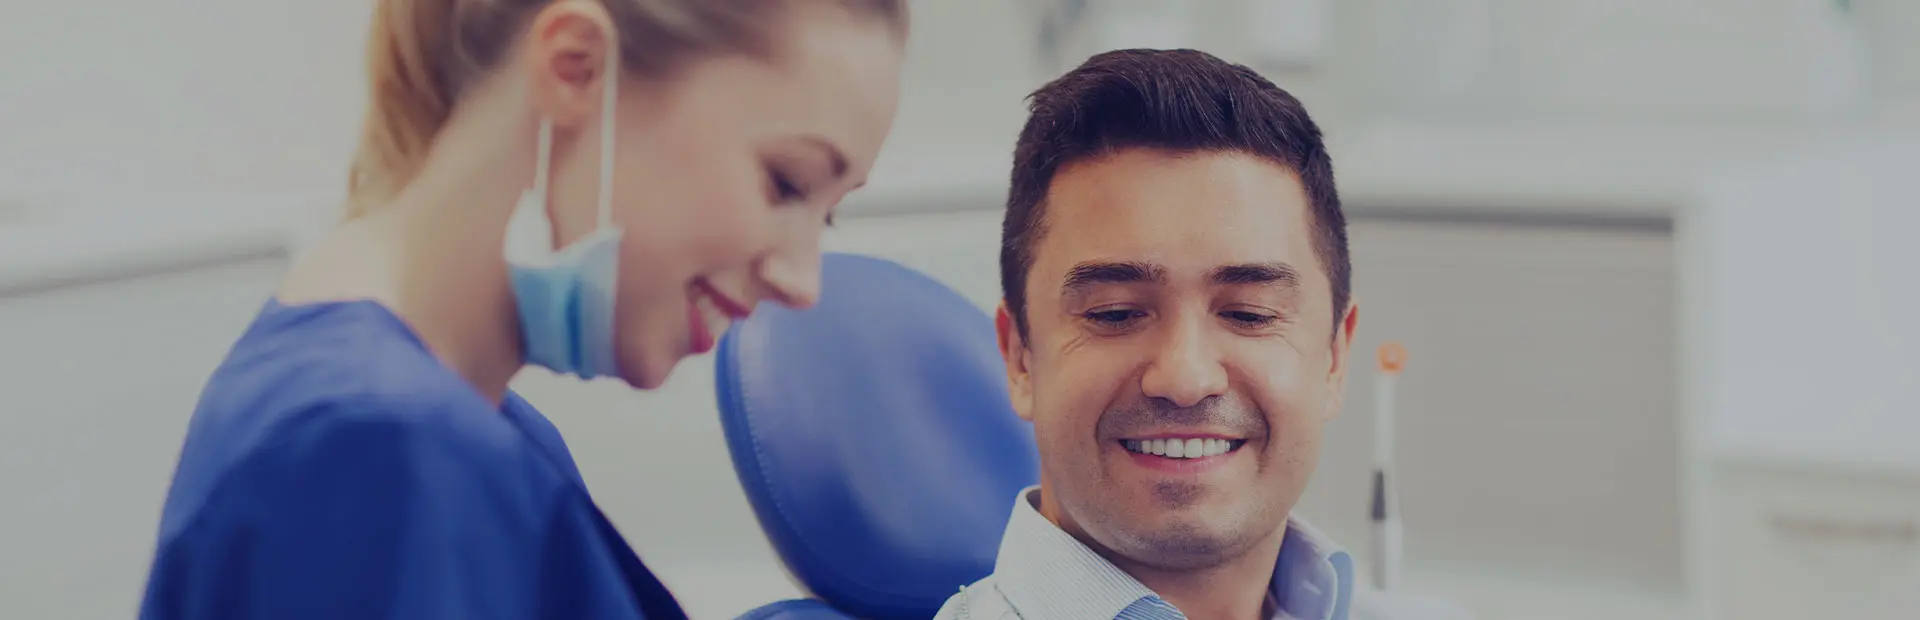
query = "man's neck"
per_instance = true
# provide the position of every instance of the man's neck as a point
(1234, 590)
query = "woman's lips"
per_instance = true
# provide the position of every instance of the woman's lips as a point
(702, 339)
(726, 305)
(708, 314)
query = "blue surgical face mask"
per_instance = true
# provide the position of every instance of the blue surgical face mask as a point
(565, 296)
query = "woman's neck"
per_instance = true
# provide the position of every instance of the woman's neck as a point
(433, 256)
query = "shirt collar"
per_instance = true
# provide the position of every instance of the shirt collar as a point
(1047, 573)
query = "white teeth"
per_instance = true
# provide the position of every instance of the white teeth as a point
(1180, 448)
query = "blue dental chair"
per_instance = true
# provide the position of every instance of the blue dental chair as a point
(875, 441)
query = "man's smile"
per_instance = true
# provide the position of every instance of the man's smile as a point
(1176, 447)
(1182, 453)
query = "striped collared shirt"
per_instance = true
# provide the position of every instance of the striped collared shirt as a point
(1043, 573)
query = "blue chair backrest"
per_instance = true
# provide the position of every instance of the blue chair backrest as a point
(874, 437)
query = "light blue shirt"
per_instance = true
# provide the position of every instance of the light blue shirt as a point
(1044, 573)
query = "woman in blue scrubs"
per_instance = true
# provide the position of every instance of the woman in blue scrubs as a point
(595, 187)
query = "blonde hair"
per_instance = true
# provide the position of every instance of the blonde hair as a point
(423, 54)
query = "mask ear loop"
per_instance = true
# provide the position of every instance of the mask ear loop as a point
(529, 232)
(543, 165)
(610, 89)
(543, 159)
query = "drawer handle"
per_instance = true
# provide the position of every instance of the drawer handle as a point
(1892, 532)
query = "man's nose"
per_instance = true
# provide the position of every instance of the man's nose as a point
(1186, 369)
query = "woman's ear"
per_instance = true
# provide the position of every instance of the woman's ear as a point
(1013, 349)
(568, 49)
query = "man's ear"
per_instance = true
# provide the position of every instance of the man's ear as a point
(567, 51)
(1342, 351)
(1013, 349)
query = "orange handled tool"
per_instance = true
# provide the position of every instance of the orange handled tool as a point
(1385, 513)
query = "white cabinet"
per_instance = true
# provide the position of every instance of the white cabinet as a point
(1814, 543)
(1801, 391)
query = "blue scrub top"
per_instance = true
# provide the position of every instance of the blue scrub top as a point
(335, 469)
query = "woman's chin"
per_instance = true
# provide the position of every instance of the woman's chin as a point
(648, 374)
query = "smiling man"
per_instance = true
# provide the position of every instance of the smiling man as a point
(1176, 326)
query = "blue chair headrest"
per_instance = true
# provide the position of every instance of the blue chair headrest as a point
(874, 437)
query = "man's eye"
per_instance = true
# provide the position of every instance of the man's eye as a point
(1112, 317)
(1250, 319)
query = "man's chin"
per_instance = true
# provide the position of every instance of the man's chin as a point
(1174, 545)
(1183, 525)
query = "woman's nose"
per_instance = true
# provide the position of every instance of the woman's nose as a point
(792, 279)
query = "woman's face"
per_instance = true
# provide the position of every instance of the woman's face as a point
(726, 178)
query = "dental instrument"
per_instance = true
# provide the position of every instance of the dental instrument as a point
(1385, 514)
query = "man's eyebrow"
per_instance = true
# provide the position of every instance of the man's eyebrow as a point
(1280, 274)
(1091, 273)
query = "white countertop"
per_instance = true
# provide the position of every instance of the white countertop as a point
(1583, 171)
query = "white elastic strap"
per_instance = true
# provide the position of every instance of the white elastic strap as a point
(543, 159)
(610, 88)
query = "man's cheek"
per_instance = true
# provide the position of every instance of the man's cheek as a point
(1093, 375)
(1296, 448)
(1274, 367)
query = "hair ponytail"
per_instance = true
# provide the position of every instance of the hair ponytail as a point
(422, 53)
(410, 97)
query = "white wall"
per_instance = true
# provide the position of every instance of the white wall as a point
(1695, 60)
(183, 96)
(265, 95)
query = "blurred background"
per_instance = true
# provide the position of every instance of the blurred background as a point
(1651, 259)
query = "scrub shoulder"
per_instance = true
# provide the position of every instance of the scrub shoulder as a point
(334, 468)
(307, 385)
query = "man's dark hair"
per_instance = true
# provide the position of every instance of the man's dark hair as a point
(1172, 100)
